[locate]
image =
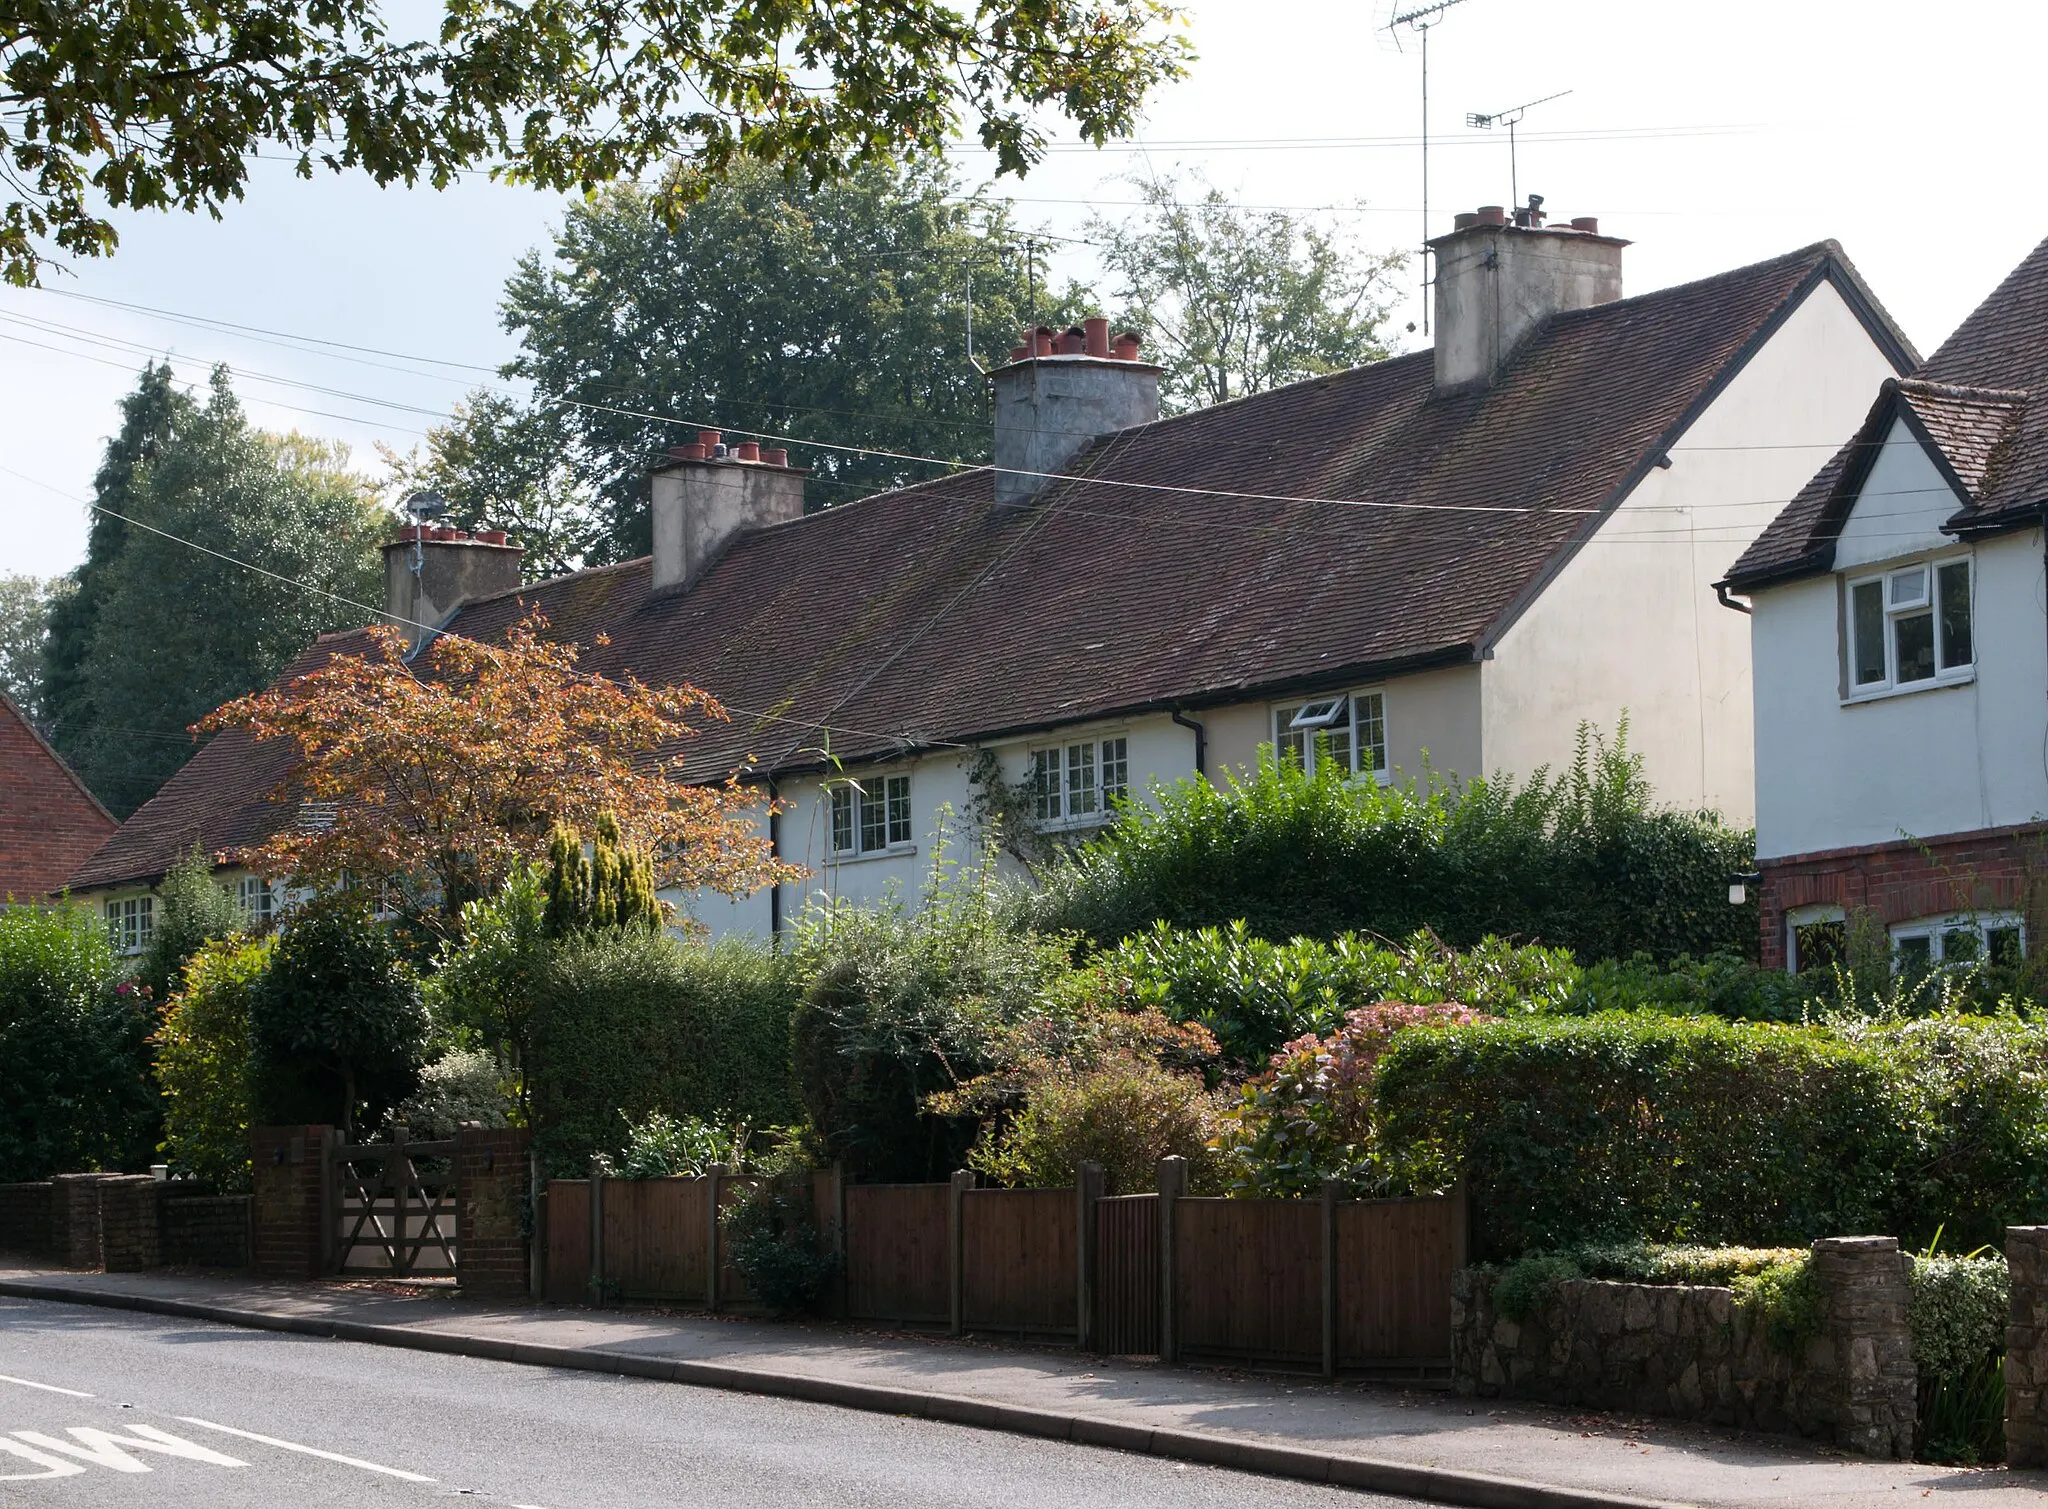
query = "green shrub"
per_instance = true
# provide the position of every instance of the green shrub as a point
(202, 1062)
(337, 1029)
(668, 1147)
(1723, 985)
(192, 910)
(627, 1024)
(1310, 1116)
(75, 1089)
(900, 1005)
(776, 1243)
(1958, 1312)
(1125, 1115)
(1625, 1127)
(463, 1084)
(1777, 1286)
(1786, 1298)
(1584, 859)
(482, 989)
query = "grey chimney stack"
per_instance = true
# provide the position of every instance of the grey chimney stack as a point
(1497, 281)
(430, 572)
(706, 494)
(1060, 391)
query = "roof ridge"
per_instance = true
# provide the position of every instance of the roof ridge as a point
(1963, 392)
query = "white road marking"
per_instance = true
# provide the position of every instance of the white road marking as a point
(104, 1449)
(329, 1456)
(48, 1388)
(53, 1467)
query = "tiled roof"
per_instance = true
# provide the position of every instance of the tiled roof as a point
(49, 821)
(1980, 403)
(1171, 571)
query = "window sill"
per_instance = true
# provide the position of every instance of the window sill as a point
(868, 856)
(1938, 684)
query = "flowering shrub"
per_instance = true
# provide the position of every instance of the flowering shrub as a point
(1310, 1116)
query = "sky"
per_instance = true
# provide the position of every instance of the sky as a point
(1710, 135)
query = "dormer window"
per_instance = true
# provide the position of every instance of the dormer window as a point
(1910, 627)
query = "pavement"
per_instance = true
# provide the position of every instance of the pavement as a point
(1408, 1443)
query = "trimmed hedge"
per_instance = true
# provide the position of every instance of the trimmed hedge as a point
(627, 1024)
(1641, 1127)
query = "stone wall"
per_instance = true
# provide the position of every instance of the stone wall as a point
(128, 1223)
(1693, 1353)
(25, 1219)
(203, 1231)
(2026, 1347)
(491, 1218)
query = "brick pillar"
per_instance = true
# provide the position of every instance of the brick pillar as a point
(128, 1223)
(1865, 1381)
(490, 1210)
(2026, 1347)
(75, 1220)
(289, 1207)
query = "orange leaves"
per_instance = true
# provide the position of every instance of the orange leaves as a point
(442, 774)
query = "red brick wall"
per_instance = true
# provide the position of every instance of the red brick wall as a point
(1983, 871)
(490, 1206)
(288, 1205)
(49, 825)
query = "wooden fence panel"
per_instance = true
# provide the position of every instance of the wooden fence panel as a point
(1248, 1280)
(1127, 1275)
(568, 1234)
(1021, 1250)
(898, 1253)
(655, 1240)
(732, 1284)
(1395, 1259)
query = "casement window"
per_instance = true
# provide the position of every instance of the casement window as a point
(1910, 627)
(1075, 783)
(872, 815)
(257, 899)
(1816, 940)
(131, 923)
(1349, 730)
(1953, 942)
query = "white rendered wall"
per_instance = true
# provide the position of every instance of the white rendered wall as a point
(1902, 505)
(1631, 622)
(1916, 765)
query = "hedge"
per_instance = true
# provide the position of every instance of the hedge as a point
(627, 1024)
(1644, 1127)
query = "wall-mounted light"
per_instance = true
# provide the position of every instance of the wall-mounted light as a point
(1739, 884)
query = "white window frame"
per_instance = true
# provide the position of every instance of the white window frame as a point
(1339, 711)
(131, 923)
(1071, 784)
(259, 900)
(1886, 580)
(876, 807)
(1934, 932)
(1807, 916)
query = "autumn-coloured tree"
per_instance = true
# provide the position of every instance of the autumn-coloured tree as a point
(435, 778)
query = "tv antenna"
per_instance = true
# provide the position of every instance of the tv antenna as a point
(1421, 19)
(1511, 118)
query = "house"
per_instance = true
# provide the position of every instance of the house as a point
(1901, 658)
(1447, 559)
(49, 822)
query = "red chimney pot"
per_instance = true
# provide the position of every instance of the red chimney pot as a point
(1464, 221)
(1587, 224)
(1042, 340)
(1492, 214)
(1126, 346)
(491, 536)
(709, 440)
(750, 450)
(775, 455)
(1020, 353)
(692, 452)
(1096, 332)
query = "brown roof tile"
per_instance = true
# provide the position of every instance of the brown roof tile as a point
(928, 615)
(49, 821)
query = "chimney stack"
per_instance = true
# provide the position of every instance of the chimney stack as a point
(707, 494)
(1060, 391)
(1497, 281)
(429, 572)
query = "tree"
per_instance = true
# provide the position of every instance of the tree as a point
(171, 621)
(157, 105)
(441, 783)
(203, 1061)
(336, 1028)
(612, 887)
(193, 910)
(26, 603)
(150, 416)
(836, 314)
(1238, 301)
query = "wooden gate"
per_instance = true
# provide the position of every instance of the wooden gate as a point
(1127, 1275)
(391, 1216)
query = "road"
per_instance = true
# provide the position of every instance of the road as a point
(102, 1408)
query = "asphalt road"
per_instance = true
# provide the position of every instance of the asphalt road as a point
(111, 1409)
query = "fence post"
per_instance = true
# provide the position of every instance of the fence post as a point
(1329, 1278)
(956, 1242)
(331, 1255)
(839, 1234)
(714, 1178)
(2026, 1348)
(1173, 1183)
(1087, 1189)
(597, 1230)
